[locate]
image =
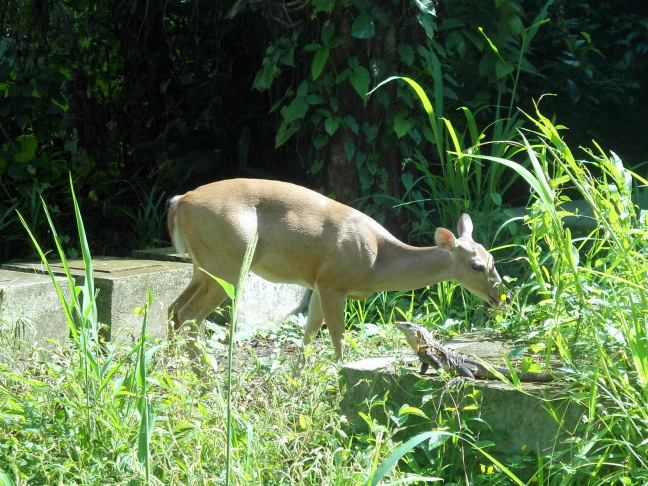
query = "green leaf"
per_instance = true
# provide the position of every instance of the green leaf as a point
(327, 33)
(405, 410)
(287, 58)
(351, 123)
(360, 160)
(438, 437)
(295, 110)
(28, 144)
(316, 166)
(503, 69)
(302, 89)
(304, 422)
(402, 123)
(363, 26)
(406, 54)
(147, 425)
(227, 287)
(515, 24)
(320, 141)
(349, 150)
(427, 105)
(342, 75)
(450, 24)
(319, 61)
(286, 130)
(5, 480)
(371, 131)
(314, 99)
(323, 6)
(331, 125)
(265, 76)
(360, 80)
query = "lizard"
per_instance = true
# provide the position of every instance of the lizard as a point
(434, 353)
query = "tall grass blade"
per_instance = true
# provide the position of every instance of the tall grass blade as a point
(68, 308)
(538, 186)
(145, 408)
(438, 436)
(436, 125)
(245, 268)
(5, 480)
(88, 304)
(81, 314)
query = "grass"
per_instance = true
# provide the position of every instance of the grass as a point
(286, 429)
(99, 413)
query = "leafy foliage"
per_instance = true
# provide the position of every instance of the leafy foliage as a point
(176, 94)
(96, 412)
(123, 98)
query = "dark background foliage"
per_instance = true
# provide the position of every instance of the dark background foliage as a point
(140, 100)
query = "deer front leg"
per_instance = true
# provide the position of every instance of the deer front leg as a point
(315, 318)
(332, 303)
(326, 306)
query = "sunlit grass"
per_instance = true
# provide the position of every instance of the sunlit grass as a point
(103, 413)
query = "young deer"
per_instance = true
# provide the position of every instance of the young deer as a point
(308, 239)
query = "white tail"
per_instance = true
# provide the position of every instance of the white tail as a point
(308, 239)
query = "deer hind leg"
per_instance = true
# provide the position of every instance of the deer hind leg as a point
(197, 301)
(174, 323)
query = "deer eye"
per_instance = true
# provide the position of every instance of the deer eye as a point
(478, 267)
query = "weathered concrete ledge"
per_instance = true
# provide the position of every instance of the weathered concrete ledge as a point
(539, 416)
(30, 308)
(263, 303)
(123, 284)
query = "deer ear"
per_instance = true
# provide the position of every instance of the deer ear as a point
(444, 239)
(465, 227)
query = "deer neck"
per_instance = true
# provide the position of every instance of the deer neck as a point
(404, 267)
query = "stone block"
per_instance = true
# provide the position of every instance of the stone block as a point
(123, 284)
(30, 308)
(263, 303)
(513, 419)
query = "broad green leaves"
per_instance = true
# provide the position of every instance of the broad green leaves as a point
(363, 27)
(27, 144)
(331, 125)
(296, 112)
(280, 53)
(359, 77)
(319, 60)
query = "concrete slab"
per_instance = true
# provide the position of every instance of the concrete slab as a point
(263, 303)
(540, 416)
(30, 309)
(123, 284)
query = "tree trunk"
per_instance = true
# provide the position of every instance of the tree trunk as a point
(343, 176)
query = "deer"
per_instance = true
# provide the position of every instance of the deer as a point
(309, 239)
